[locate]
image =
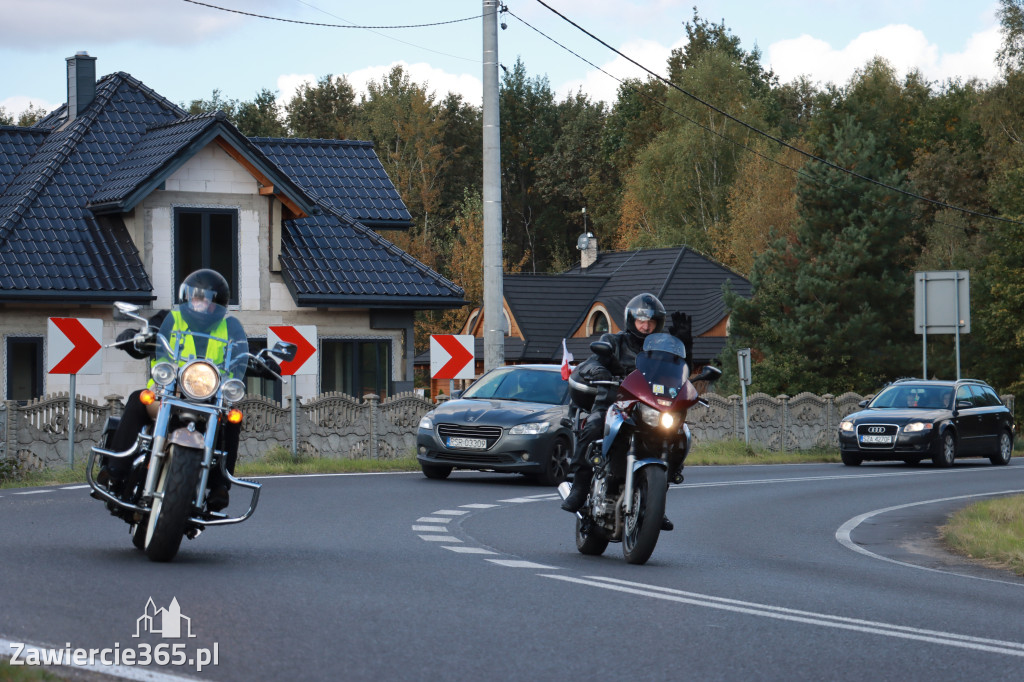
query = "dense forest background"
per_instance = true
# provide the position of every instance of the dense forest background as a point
(828, 197)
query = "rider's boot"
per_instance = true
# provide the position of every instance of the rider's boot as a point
(580, 488)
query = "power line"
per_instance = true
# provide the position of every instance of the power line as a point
(763, 133)
(314, 23)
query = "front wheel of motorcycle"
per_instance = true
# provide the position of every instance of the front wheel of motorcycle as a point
(170, 511)
(591, 539)
(643, 524)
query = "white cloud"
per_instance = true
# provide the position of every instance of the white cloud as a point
(18, 103)
(602, 87)
(903, 46)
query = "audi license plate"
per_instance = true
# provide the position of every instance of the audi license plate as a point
(876, 439)
(467, 443)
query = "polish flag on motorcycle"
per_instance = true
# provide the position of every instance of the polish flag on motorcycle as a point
(566, 359)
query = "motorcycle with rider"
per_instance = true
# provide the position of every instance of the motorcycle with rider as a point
(167, 462)
(629, 406)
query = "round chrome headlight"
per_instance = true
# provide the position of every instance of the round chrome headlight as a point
(163, 373)
(233, 390)
(199, 380)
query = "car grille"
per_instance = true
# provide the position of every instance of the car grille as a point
(489, 433)
(890, 430)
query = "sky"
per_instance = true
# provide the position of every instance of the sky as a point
(185, 50)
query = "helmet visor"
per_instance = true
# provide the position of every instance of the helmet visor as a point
(196, 298)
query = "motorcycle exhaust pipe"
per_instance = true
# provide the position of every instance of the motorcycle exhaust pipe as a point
(563, 489)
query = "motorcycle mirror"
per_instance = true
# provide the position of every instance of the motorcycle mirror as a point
(601, 348)
(285, 351)
(708, 373)
(129, 310)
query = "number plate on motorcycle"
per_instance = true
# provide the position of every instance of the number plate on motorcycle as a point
(467, 443)
(876, 439)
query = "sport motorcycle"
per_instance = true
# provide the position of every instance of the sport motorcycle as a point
(645, 437)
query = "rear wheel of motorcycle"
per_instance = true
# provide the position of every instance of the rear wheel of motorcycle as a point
(590, 538)
(167, 519)
(643, 525)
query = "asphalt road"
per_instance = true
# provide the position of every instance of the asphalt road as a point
(806, 572)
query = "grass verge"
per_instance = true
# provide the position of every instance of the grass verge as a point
(991, 532)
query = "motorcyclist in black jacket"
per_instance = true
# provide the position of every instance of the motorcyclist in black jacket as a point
(644, 315)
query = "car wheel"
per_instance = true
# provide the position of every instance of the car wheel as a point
(436, 471)
(1002, 458)
(556, 469)
(948, 452)
(850, 459)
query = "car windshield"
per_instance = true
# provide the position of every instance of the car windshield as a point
(514, 383)
(914, 397)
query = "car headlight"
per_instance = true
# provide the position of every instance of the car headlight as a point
(163, 373)
(427, 421)
(199, 380)
(914, 427)
(846, 426)
(531, 429)
(234, 390)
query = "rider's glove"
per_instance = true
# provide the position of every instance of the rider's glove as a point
(129, 348)
(682, 326)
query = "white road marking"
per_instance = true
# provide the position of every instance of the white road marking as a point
(33, 492)
(797, 616)
(440, 538)
(470, 550)
(431, 529)
(843, 535)
(478, 506)
(513, 563)
(75, 487)
(432, 519)
(520, 500)
(843, 477)
(451, 512)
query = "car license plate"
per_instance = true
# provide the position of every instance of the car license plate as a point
(876, 439)
(467, 443)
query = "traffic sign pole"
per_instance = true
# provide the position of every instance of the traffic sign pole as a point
(71, 425)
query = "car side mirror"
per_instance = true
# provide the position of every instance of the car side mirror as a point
(863, 403)
(602, 348)
(964, 405)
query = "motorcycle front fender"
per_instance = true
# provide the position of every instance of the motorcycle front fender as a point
(641, 463)
(187, 439)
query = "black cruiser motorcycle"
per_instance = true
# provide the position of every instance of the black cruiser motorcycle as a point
(164, 497)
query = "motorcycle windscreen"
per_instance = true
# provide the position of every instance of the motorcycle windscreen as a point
(663, 364)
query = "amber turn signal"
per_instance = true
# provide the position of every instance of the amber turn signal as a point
(147, 397)
(235, 416)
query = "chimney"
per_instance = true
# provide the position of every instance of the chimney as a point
(587, 245)
(81, 83)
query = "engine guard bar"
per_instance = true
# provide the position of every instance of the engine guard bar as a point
(101, 491)
(219, 519)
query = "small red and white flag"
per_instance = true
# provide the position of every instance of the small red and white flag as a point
(566, 359)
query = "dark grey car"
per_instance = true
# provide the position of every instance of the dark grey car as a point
(509, 420)
(915, 419)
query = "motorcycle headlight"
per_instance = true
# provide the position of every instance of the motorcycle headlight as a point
(199, 380)
(650, 415)
(668, 420)
(234, 390)
(531, 429)
(163, 373)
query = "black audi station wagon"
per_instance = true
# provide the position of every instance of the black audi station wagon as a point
(916, 419)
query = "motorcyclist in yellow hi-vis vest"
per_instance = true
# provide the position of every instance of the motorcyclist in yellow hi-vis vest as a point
(202, 308)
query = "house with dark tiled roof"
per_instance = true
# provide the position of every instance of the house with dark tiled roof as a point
(590, 299)
(119, 194)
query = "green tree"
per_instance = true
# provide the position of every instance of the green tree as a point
(216, 103)
(326, 110)
(832, 308)
(261, 117)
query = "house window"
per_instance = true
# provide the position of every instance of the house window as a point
(598, 323)
(206, 238)
(355, 367)
(24, 368)
(268, 388)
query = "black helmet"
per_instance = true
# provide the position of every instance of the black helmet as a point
(644, 307)
(205, 284)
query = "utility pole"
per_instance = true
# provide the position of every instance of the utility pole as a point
(494, 316)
